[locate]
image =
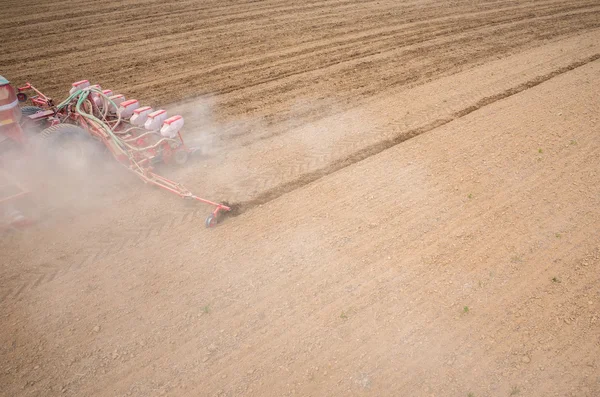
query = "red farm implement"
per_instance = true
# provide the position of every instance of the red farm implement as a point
(138, 137)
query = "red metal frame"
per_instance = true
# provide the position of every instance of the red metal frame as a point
(39, 99)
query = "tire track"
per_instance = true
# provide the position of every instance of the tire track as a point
(128, 239)
(374, 149)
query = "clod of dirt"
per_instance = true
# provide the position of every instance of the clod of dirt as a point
(236, 209)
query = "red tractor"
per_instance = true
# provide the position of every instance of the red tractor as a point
(138, 137)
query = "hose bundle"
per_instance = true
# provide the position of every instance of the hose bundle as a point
(98, 117)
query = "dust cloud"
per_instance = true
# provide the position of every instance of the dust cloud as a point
(234, 163)
(63, 179)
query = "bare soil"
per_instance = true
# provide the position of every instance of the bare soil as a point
(417, 185)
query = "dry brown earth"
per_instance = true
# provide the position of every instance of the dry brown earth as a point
(418, 185)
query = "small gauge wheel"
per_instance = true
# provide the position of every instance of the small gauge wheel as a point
(211, 221)
(181, 157)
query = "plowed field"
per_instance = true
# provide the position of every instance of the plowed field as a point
(417, 189)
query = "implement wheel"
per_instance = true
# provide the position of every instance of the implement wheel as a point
(211, 221)
(180, 156)
(69, 146)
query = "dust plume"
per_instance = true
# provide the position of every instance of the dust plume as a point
(61, 180)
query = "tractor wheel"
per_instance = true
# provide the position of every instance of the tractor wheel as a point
(69, 146)
(29, 110)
